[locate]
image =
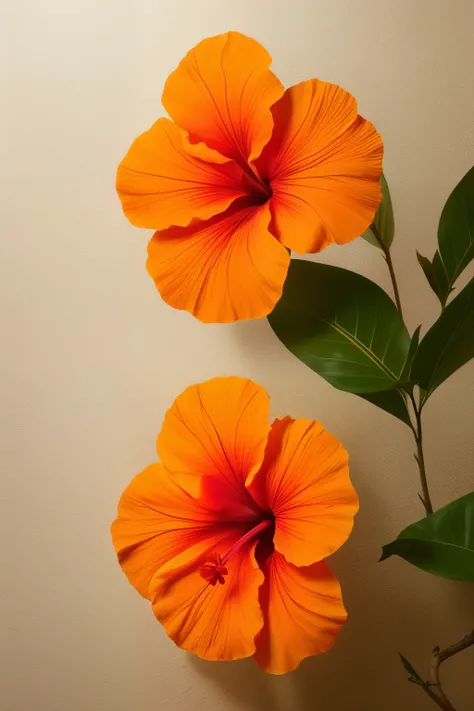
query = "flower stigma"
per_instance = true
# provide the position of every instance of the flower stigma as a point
(215, 571)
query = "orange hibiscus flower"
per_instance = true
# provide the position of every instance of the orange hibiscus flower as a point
(227, 535)
(243, 171)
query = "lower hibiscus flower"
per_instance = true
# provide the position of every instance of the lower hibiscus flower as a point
(227, 535)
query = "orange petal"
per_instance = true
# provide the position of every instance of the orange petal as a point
(216, 622)
(217, 432)
(304, 481)
(221, 94)
(200, 150)
(160, 184)
(156, 520)
(221, 270)
(324, 163)
(303, 613)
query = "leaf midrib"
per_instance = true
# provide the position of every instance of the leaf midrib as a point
(462, 319)
(342, 331)
(459, 268)
(438, 543)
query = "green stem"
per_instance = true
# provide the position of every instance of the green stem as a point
(417, 430)
(388, 259)
(420, 458)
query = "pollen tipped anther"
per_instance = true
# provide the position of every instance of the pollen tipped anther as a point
(214, 572)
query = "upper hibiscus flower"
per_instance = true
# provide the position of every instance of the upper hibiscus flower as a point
(227, 535)
(243, 171)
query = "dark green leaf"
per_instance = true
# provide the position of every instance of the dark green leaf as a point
(456, 230)
(442, 543)
(384, 223)
(415, 339)
(343, 326)
(455, 239)
(414, 676)
(443, 286)
(449, 343)
(430, 273)
(392, 401)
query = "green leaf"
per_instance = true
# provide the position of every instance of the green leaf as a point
(442, 543)
(415, 339)
(414, 676)
(449, 343)
(382, 236)
(443, 287)
(456, 230)
(343, 326)
(431, 275)
(392, 401)
(455, 239)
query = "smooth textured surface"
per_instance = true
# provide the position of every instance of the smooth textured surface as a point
(343, 326)
(91, 358)
(443, 543)
(306, 162)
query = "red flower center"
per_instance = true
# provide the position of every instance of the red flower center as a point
(259, 190)
(214, 571)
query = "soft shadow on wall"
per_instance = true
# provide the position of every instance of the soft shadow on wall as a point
(393, 606)
(376, 622)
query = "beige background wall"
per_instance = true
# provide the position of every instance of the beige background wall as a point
(92, 357)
